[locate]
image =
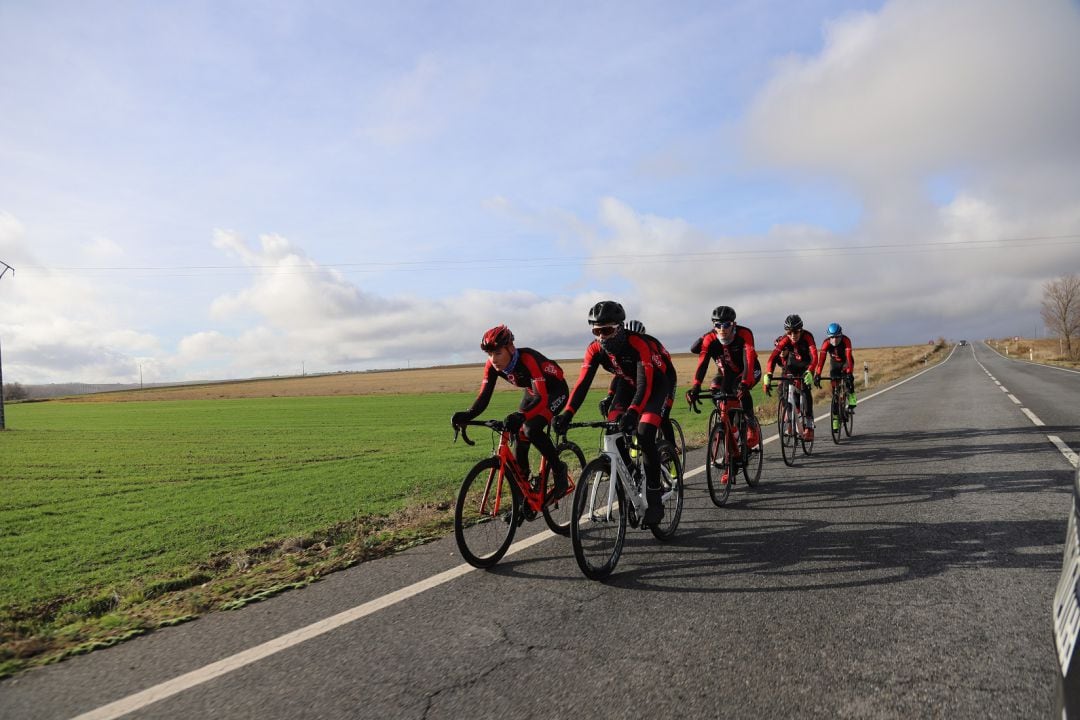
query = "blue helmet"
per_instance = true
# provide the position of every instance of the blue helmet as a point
(834, 330)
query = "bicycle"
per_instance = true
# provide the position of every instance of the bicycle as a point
(840, 414)
(611, 493)
(496, 497)
(790, 423)
(728, 450)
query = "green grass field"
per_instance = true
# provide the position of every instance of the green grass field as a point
(104, 505)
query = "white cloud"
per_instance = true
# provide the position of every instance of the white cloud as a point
(924, 86)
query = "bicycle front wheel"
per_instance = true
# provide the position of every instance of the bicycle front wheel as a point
(487, 513)
(785, 423)
(836, 419)
(671, 476)
(598, 523)
(557, 514)
(718, 466)
(753, 457)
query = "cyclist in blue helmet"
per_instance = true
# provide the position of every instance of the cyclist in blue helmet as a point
(837, 346)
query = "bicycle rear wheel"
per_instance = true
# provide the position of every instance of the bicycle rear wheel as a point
(671, 475)
(836, 418)
(785, 423)
(557, 514)
(717, 464)
(753, 457)
(849, 420)
(486, 515)
(679, 441)
(598, 523)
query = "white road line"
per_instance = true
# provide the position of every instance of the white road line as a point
(1068, 453)
(1029, 362)
(1058, 442)
(167, 689)
(1032, 417)
(204, 674)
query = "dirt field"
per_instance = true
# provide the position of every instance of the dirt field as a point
(885, 364)
(1043, 350)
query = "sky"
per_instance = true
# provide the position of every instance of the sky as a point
(211, 190)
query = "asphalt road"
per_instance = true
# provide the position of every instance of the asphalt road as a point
(907, 572)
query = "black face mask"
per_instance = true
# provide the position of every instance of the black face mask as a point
(614, 342)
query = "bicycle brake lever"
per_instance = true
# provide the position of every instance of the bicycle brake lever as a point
(464, 436)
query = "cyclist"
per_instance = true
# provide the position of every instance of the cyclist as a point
(545, 394)
(837, 347)
(801, 360)
(731, 347)
(636, 326)
(642, 364)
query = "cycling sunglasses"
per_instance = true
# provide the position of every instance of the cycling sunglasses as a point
(724, 325)
(604, 330)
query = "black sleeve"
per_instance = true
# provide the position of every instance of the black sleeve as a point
(487, 387)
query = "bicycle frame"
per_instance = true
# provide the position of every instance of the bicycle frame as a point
(633, 489)
(508, 465)
(731, 413)
(791, 391)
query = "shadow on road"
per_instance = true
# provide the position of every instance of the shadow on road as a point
(795, 533)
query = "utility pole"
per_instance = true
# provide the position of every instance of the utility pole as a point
(2, 425)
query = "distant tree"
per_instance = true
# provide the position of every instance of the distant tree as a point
(15, 391)
(1061, 309)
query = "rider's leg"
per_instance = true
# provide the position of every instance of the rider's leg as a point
(521, 452)
(646, 433)
(536, 432)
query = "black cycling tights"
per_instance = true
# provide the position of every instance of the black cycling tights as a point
(646, 434)
(535, 432)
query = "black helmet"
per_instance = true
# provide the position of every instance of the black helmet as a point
(606, 312)
(793, 322)
(723, 313)
(636, 326)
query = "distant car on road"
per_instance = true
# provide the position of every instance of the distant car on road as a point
(1067, 617)
(963, 342)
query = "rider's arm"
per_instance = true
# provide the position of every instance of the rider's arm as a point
(703, 359)
(849, 368)
(813, 350)
(751, 357)
(823, 352)
(539, 386)
(487, 387)
(645, 370)
(771, 362)
(585, 378)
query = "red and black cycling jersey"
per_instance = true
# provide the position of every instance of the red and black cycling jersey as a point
(637, 361)
(542, 379)
(840, 354)
(671, 375)
(803, 355)
(738, 358)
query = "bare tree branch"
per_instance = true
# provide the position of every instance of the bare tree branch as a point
(1061, 309)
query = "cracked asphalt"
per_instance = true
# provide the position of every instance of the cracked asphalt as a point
(907, 572)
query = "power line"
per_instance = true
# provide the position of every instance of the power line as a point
(584, 261)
